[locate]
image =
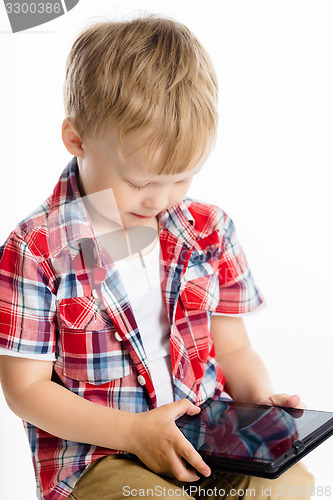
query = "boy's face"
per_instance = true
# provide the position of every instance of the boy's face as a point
(138, 194)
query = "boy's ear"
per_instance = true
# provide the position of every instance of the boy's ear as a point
(71, 139)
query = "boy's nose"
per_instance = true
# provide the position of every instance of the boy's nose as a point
(156, 202)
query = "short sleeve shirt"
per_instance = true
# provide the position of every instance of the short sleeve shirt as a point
(61, 296)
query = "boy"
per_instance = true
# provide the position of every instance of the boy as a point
(96, 362)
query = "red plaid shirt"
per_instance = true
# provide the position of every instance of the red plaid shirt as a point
(54, 301)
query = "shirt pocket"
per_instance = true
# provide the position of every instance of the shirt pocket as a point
(201, 293)
(90, 348)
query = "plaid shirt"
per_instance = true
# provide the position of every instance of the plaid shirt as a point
(56, 301)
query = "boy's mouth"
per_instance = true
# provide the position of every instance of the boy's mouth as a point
(141, 216)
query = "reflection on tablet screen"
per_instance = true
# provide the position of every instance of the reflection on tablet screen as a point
(249, 432)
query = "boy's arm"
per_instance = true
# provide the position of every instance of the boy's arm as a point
(152, 436)
(247, 379)
(31, 395)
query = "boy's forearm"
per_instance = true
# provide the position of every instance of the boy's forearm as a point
(62, 413)
(247, 379)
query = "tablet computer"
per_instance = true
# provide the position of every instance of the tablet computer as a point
(257, 440)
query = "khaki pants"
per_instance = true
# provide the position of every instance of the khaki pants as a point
(114, 478)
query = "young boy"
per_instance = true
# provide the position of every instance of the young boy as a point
(121, 299)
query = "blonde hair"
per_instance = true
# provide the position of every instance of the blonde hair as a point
(149, 74)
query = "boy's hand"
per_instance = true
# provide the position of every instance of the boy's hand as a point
(160, 445)
(293, 401)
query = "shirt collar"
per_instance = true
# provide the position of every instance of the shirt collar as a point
(179, 221)
(69, 222)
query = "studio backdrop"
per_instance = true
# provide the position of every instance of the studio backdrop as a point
(270, 169)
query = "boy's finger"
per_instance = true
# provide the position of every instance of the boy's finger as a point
(181, 472)
(281, 399)
(185, 406)
(193, 458)
(293, 401)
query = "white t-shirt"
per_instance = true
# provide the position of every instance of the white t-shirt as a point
(143, 287)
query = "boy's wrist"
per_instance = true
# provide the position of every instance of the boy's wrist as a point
(253, 396)
(258, 396)
(135, 428)
(129, 430)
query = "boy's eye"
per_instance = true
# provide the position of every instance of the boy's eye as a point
(134, 186)
(139, 188)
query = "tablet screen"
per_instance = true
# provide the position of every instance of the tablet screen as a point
(250, 432)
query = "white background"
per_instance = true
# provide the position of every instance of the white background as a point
(270, 170)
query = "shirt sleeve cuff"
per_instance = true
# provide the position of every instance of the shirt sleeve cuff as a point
(261, 306)
(15, 354)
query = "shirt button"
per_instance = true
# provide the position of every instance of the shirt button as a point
(118, 337)
(141, 380)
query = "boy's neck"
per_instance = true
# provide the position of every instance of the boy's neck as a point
(154, 223)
